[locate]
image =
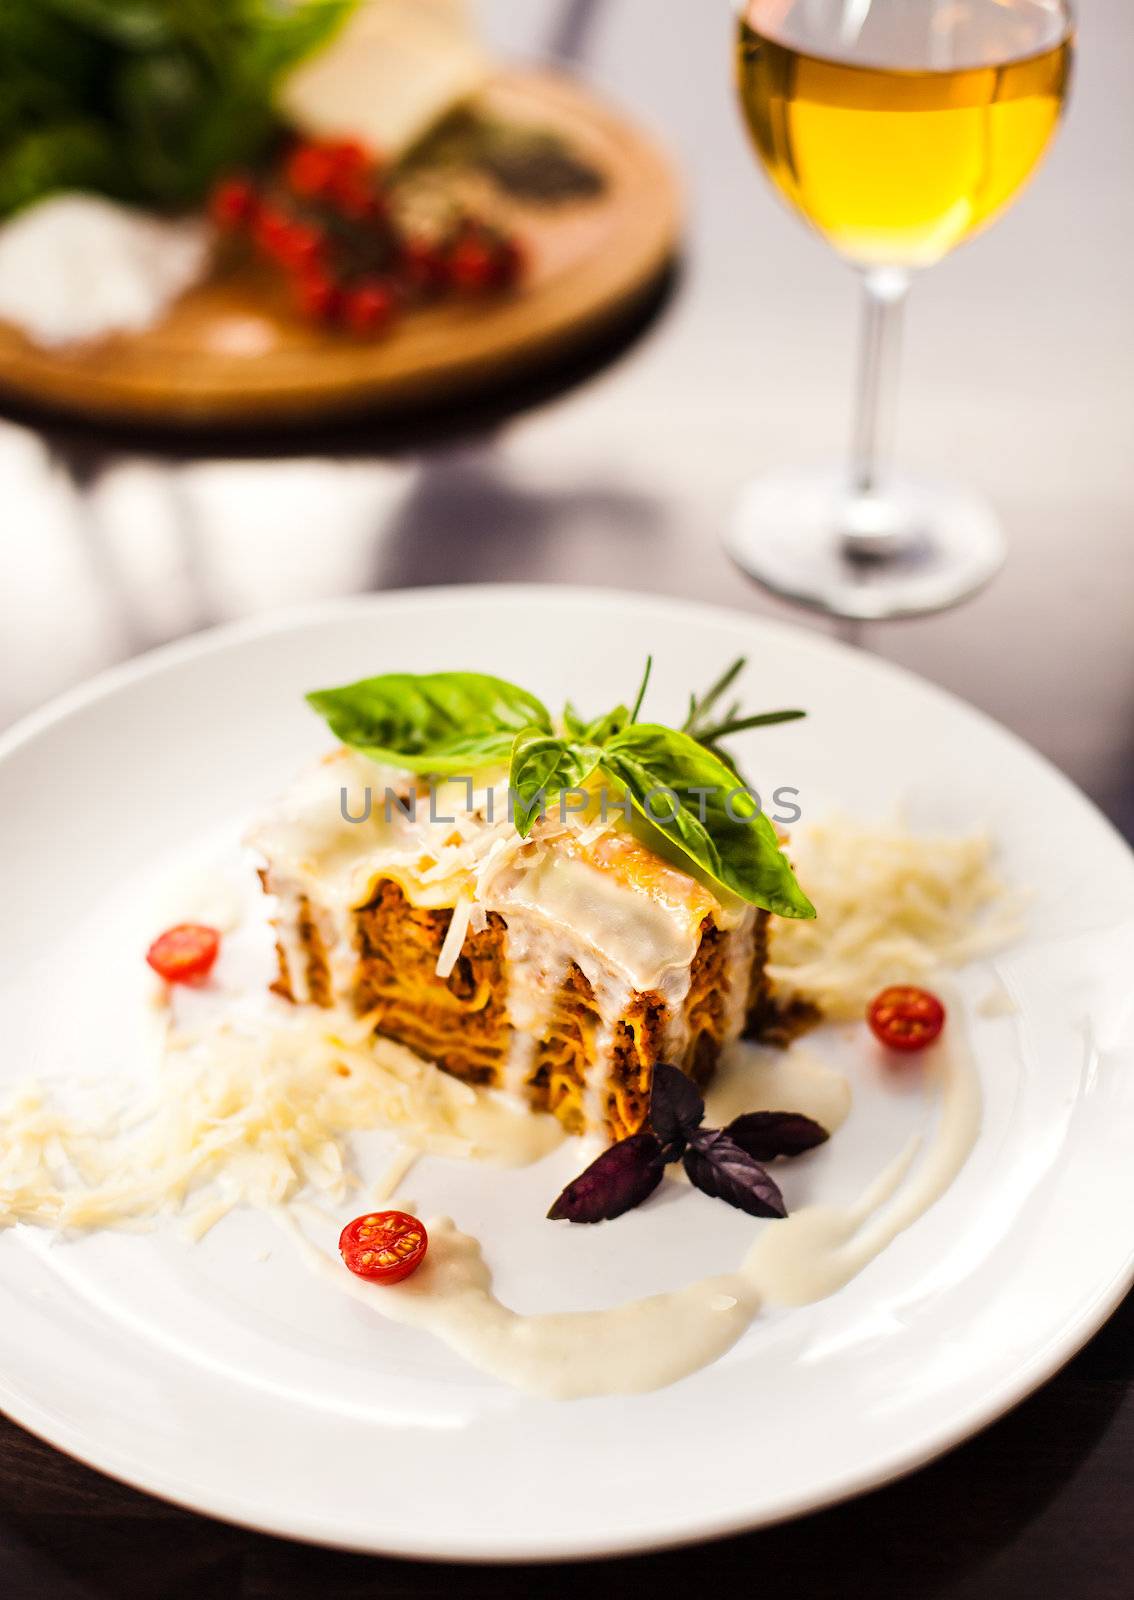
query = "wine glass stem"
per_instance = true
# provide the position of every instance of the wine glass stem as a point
(869, 531)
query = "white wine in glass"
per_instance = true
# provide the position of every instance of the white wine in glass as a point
(897, 128)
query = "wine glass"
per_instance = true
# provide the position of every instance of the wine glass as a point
(897, 129)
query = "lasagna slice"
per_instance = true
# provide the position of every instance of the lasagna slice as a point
(559, 968)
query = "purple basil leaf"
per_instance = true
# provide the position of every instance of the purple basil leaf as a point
(620, 1179)
(718, 1166)
(767, 1134)
(676, 1109)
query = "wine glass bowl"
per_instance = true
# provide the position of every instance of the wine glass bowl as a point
(897, 129)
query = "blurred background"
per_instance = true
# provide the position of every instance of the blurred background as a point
(622, 470)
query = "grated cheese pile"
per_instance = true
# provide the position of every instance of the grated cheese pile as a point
(251, 1118)
(894, 907)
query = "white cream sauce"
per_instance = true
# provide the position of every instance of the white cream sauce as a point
(648, 1343)
(754, 1077)
(502, 1133)
(998, 1001)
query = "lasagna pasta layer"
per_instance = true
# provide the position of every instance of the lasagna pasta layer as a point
(592, 1071)
(589, 958)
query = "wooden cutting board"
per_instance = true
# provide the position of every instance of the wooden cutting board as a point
(231, 353)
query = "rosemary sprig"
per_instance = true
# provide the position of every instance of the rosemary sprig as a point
(700, 726)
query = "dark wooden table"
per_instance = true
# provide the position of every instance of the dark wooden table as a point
(1017, 379)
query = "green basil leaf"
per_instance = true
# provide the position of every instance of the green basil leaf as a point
(600, 729)
(442, 722)
(543, 766)
(604, 728)
(735, 844)
(132, 24)
(147, 100)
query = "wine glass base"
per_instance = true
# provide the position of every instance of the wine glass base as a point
(923, 547)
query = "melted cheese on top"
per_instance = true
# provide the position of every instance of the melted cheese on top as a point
(588, 882)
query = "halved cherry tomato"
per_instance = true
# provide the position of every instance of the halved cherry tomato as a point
(184, 954)
(906, 1018)
(384, 1246)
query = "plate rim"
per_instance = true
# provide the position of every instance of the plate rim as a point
(897, 1463)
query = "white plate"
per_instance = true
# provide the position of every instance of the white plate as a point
(243, 1387)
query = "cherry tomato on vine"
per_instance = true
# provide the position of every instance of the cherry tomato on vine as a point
(369, 307)
(510, 263)
(357, 197)
(906, 1018)
(302, 246)
(471, 265)
(351, 158)
(270, 229)
(384, 1246)
(423, 263)
(310, 170)
(317, 294)
(233, 203)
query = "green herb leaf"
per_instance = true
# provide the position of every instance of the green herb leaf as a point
(543, 766)
(442, 722)
(735, 724)
(147, 100)
(641, 695)
(135, 24)
(600, 729)
(700, 725)
(605, 727)
(700, 706)
(453, 722)
(714, 820)
(68, 155)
